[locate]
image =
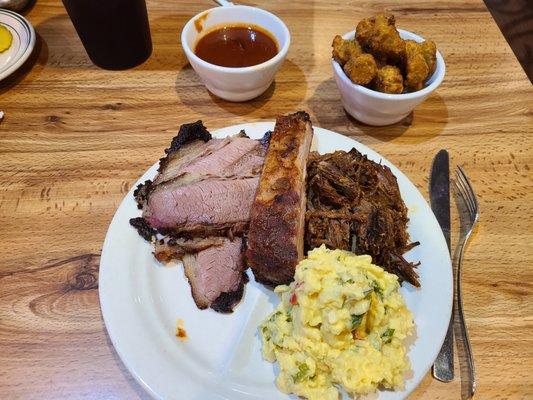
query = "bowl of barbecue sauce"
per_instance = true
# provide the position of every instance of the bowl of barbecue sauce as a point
(236, 50)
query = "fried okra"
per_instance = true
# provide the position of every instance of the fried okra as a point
(416, 67)
(429, 51)
(361, 69)
(378, 36)
(389, 79)
(343, 50)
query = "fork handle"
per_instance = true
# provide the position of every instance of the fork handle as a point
(464, 329)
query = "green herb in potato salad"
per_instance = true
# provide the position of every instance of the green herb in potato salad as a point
(342, 322)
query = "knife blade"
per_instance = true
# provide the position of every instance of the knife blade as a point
(439, 193)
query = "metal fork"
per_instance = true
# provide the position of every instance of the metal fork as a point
(465, 191)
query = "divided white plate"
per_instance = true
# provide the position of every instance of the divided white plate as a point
(141, 301)
(23, 42)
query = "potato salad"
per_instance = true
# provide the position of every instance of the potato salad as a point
(341, 323)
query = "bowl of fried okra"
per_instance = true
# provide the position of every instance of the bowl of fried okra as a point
(383, 72)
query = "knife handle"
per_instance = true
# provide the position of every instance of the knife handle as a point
(443, 365)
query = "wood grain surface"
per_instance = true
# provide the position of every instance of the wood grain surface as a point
(75, 138)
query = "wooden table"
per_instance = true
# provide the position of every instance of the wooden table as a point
(75, 138)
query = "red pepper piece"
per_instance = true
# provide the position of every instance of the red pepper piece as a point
(293, 300)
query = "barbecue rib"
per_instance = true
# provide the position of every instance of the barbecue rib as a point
(277, 222)
(198, 208)
(354, 204)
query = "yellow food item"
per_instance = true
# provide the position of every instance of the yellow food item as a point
(6, 38)
(341, 322)
(361, 69)
(343, 50)
(429, 50)
(416, 66)
(389, 79)
(378, 36)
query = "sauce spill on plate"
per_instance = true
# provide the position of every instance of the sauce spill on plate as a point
(237, 46)
(181, 333)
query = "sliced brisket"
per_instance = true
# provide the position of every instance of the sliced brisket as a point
(197, 209)
(200, 183)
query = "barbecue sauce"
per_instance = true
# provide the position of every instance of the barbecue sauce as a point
(237, 46)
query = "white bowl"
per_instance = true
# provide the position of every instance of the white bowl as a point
(376, 108)
(235, 84)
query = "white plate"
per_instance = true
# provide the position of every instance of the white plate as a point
(23, 42)
(141, 301)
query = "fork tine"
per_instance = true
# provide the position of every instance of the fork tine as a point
(462, 178)
(471, 189)
(461, 191)
(467, 193)
(461, 188)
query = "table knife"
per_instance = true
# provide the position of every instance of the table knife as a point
(439, 193)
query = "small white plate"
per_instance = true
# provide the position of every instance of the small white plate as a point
(23, 42)
(141, 301)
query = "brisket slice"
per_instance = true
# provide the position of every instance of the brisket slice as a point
(193, 135)
(355, 204)
(198, 154)
(172, 248)
(275, 237)
(237, 156)
(216, 275)
(174, 164)
(208, 202)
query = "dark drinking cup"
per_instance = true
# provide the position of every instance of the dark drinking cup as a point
(115, 33)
